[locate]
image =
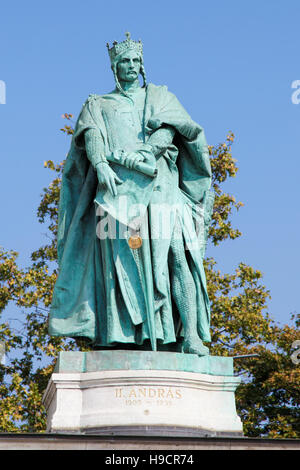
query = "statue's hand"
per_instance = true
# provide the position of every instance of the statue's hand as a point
(108, 177)
(132, 158)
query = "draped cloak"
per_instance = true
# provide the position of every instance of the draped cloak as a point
(99, 293)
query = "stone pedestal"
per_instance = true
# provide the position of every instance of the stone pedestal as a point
(142, 393)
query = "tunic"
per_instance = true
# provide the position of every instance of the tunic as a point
(106, 291)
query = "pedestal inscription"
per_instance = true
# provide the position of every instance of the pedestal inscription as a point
(149, 397)
(128, 401)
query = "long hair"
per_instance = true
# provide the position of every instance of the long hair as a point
(143, 73)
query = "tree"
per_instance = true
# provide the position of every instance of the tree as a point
(268, 398)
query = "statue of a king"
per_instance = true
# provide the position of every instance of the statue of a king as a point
(134, 212)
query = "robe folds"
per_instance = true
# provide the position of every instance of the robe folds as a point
(100, 293)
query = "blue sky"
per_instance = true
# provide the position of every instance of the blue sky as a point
(230, 63)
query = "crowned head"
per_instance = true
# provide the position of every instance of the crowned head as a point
(118, 48)
(123, 49)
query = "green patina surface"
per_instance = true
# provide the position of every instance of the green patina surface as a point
(135, 147)
(92, 361)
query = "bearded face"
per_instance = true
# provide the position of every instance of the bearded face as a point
(128, 66)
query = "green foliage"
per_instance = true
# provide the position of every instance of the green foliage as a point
(268, 398)
(223, 166)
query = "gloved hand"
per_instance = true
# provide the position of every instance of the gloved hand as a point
(139, 155)
(107, 177)
(132, 158)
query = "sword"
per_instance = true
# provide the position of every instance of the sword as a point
(145, 249)
(142, 255)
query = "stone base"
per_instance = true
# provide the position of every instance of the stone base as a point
(142, 393)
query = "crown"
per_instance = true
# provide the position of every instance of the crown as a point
(120, 47)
